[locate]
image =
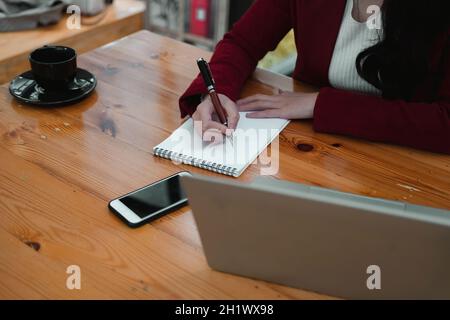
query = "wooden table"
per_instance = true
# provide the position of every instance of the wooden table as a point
(120, 19)
(60, 167)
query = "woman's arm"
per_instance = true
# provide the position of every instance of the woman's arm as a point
(419, 125)
(236, 56)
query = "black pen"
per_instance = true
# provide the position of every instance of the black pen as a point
(207, 76)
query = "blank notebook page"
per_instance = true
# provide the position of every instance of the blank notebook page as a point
(231, 157)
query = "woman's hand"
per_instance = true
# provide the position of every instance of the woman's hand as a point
(210, 120)
(285, 105)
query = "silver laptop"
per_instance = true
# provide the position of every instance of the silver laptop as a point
(321, 240)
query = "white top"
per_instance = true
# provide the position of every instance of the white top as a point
(353, 38)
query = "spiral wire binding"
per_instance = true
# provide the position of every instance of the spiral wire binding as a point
(195, 162)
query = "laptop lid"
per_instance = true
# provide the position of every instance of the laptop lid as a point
(340, 247)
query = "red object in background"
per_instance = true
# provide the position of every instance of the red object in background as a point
(200, 17)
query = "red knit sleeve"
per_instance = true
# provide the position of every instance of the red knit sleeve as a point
(236, 56)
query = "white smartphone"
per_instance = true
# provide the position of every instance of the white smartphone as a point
(151, 202)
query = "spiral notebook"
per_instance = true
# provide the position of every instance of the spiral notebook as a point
(233, 156)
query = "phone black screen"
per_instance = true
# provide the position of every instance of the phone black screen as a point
(154, 198)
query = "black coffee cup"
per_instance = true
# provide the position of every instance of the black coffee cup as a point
(54, 67)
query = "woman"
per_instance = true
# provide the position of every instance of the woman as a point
(388, 85)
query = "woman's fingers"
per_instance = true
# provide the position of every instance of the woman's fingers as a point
(287, 93)
(233, 121)
(211, 130)
(197, 117)
(204, 115)
(216, 126)
(258, 102)
(232, 114)
(254, 98)
(213, 135)
(258, 105)
(270, 113)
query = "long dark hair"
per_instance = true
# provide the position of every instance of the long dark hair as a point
(401, 60)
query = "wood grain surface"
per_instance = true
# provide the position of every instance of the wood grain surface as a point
(60, 167)
(120, 19)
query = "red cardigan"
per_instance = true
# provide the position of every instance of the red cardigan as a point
(316, 24)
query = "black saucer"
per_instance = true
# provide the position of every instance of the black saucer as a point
(26, 90)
